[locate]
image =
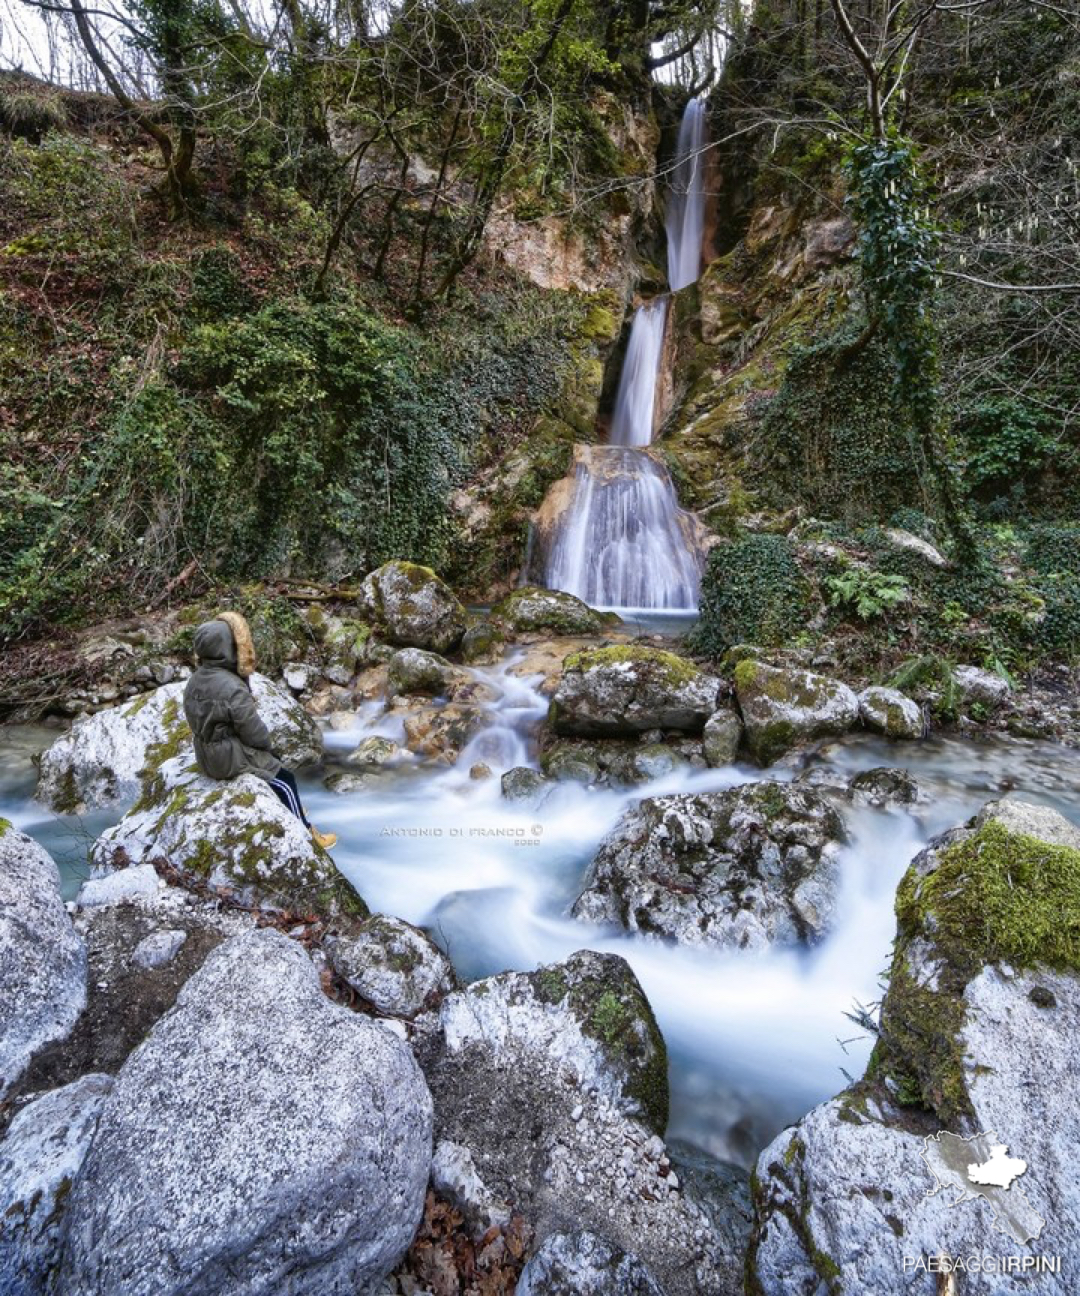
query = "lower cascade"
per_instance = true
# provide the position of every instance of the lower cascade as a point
(613, 533)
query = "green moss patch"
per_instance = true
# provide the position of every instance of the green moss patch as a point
(995, 897)
(674, 671)
(999, 896)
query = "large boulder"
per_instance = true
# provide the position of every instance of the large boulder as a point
(961, 1139)
(583, 1264)
(783, 708)
(626, 689)
(42, 960)
(534, 611)
(262, 1139)
(413, 608)
(233, 834)
(890, 712)
(102, 758)
(393, 965)
(39, 1158)
(746, 867)
(550, 1091)
(142, 945)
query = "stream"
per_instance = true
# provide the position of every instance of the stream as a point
(754, 1039)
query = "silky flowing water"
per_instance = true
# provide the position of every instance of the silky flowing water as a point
(624, 540)
(754, 1039)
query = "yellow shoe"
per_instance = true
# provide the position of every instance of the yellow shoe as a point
(326, 840)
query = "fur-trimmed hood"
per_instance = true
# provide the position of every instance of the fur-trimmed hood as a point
(226, 641)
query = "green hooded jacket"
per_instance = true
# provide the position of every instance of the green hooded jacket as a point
(230, 737)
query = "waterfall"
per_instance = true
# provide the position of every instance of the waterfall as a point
(632, 422)
(621, 539)
(685, 221)
(624, 541)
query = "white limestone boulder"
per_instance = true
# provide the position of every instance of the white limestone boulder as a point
(262, 1139)
(42, 960)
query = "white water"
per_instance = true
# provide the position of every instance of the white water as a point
(753, 1039)
(685, 221)
(635, 402)
(622, 545)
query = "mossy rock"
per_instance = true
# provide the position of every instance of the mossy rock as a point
(784, 708)
(236, 835)
(989, 894)
(627, 689)
(531, 610)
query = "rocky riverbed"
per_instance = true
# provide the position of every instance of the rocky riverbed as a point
(578, 961)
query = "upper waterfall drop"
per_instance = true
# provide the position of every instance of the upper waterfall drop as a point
(685, 220)
(635, 402)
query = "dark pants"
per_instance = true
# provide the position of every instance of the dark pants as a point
(286, 791)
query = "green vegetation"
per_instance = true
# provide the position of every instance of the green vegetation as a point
(672, 670)
(869, 594)
(999, 897)
(753, 592)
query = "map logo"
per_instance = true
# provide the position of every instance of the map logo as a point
(979, 1166)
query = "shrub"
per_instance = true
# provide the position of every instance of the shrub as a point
(753, 591)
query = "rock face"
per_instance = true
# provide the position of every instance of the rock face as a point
(555, 1083)
(42, 960)
(261, 1139)
(746, 867)
(588, 1012)
(413, 608)
(235, 834)
(889, 712)
(392, 964)
(100, 760)
(624, 690)
(531, 610)
(980, 1041)
(783, 708)
(41, 1155)
(582, 1264)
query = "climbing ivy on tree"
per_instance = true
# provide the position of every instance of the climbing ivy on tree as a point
(898, 247)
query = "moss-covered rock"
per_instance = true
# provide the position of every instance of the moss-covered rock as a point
(234, 834)
(784, 708)
(413, 608)
(1006, 889)
(590, 1011)
(890, 712)
(412, 670)
(531, 610)
(977, 1039)
(722, 738)
(106, 757)
(393, 965)
(627, 689)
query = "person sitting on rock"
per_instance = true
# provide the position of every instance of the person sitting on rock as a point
(230, 737)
